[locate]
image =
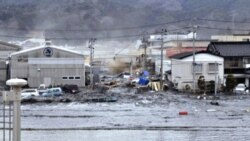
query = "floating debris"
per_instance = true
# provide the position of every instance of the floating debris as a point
(211, 110)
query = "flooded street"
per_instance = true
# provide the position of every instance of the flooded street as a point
(124, 70)
(143, 120)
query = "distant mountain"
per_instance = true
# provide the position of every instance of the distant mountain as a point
(105, 14)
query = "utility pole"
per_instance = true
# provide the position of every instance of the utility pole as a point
(194, 64)
(144, 45)
(131, 66)
(91, 57)
(145, 57)
(215, 80)
(164, 31)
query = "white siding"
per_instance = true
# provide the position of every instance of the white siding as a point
(182, 70)
(55, 61)
(37, 67)
(166, 65)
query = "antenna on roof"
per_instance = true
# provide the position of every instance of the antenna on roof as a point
(48, 42)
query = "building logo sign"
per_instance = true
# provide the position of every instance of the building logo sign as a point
(48, 52)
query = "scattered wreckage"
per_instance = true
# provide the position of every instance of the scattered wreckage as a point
(141, 83)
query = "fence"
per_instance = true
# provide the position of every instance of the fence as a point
(6, 121)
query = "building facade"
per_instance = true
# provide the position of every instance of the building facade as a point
(236, 58)
(48, 65)
(207, 65)
(231, 38)
(5, 50)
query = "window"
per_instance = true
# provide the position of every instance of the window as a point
(212, 67)
(77, 77)
(245, 39)
(55, 90)
(234, 62)
(64, 78)
(246, 60)
(71, 77)
(198, 68)
(22, 59)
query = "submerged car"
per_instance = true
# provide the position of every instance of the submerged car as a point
(240, 89)
(29, 92)
(53, 92)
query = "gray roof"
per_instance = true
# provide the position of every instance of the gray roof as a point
(7, 46)
(187, 54)
(230, 49)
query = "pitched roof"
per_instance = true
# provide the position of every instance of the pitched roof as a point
(186, 54)
(230, 49)
(37, 48)
(8, 46)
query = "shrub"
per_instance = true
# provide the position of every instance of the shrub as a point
(230, 83)
(210, 86)
(202, 83)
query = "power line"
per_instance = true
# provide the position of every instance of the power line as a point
(98, 30)
(218, 28)
(224, 21)
(86, 38)
(121, 50)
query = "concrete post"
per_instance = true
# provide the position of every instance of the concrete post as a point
(16, 84)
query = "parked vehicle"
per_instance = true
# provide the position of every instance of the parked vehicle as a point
(247, 90)
(73, 89)
(41, 89)
(240, 89)
(29, 92)
(53, 92)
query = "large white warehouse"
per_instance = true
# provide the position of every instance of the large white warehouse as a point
(48, 65)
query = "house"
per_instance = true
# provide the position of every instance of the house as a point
(5, 50)
(172, 45)
(236, 58)
(48, 65)
(230, 38)
(206, 64)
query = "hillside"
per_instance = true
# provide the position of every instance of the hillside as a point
(89, 15)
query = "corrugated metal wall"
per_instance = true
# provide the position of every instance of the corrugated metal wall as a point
(37, 73)
(61, 68)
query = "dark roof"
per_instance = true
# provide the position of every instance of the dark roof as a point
(8, 46)
(230, 49)
(187, 54)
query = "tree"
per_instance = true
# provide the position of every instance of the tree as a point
(230, 83)
(202, 83)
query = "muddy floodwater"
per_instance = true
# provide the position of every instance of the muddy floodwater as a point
(145, 119)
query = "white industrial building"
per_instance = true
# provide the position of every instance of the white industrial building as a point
(48, 65)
